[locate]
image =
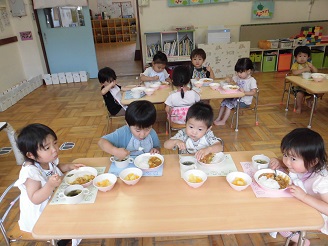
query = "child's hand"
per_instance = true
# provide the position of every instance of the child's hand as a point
(241, 89)
(208, 68)
(121, 153)
(274, 163)
(297, 192)
(180, 144)
(201, 153)
(154, 151)
(156, 77)
(54, 180)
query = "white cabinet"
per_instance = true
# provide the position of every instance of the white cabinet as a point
(177, 45)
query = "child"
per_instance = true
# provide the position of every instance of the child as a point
(110, 91)
(302, 54)
(40, 174)
(197, 137)
(135, 138)
(305, 157)
(183, 97)
(247, 84)
(198, 57)
(157, 72)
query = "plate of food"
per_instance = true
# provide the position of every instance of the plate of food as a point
(164, 84)
(269, 180)
(231, 88)
(149, 162)
(82, 176)
(212, 159)
(206, 81)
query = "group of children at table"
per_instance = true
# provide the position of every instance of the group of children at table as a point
(303, 150)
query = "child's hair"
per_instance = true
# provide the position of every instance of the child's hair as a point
(181, 77)
(106, 74)
(302, 49)
(160, 58)
(31, 138)
(198, 52)
(202, 112)
(308, 145)
(141, 114)
(243, 64)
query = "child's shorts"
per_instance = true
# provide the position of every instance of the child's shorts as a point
(296, 89)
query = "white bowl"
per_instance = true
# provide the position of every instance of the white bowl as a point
(149, 91)
(129, 171)
(230, 87)
(155, 86)
(139, 88)
(306, 75)
(137, 91)
(318, 77)
(83, 172)
(217, 159)
(74, 194)
(198, 83)
(109, 176)
(260, 161)
(121, 163)
(141, 161)
(214, 86)
(231, 177)
(268, 185)
(206, 81)
(187, 163)
(192, 174)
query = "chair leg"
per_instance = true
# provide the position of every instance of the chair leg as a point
(284, 91)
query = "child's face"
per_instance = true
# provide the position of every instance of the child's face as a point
(197, 61)
(301, 58)
(47, 154)
(195, 129)
(158, 68)
(139, 133)
(244, 75)
(294, 163)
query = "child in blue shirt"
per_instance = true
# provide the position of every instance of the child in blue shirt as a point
(135, 138)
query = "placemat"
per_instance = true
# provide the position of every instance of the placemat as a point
(258, 191)
(116, 171)
(222, 169)
(90, 198)
(128, 95)
(222, 91)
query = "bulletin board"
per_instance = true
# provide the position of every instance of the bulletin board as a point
(222, 57)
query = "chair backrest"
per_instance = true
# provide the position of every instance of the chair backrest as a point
(178, 114)
(110, 117)
(10, 229)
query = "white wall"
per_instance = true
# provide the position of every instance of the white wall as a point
(231, 15)
(23, 59)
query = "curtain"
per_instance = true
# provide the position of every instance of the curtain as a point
(41, 4)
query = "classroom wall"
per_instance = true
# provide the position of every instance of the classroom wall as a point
(23, 59)
(231, 15)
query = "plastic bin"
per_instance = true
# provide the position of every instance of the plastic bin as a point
(317, 58)
(285, 44)
(284, 62)
(269, 63)
(258, 58)
(325, 62)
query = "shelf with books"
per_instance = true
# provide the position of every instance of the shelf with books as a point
(177, 45)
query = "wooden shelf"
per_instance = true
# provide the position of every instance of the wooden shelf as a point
(114, 30)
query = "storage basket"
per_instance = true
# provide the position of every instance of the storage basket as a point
(274, 43)
(285, 44)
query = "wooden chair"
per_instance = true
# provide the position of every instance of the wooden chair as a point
(110, 118)
(172, 126)
(254, 108)
(10, 229)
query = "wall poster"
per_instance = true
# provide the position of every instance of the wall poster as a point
(262, 9)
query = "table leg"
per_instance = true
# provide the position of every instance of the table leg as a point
(315, 100)
(301, 238)
(237, 115)
(288, 96)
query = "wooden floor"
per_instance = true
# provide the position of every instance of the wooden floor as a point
(75, 111)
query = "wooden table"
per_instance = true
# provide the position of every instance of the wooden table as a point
(311, 87)
(167, 206)
(160, 95)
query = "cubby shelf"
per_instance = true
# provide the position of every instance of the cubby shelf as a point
(280, 59)
(114, 30)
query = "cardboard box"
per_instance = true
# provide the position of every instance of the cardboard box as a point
(62, 78)
(54, 78)
(83, 76)
(76, 77)
(47, 79)
(69, 77)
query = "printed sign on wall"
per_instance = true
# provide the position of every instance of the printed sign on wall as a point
(177, 3)
(262, 9)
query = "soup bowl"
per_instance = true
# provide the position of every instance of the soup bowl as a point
(121, 163)
(74, 194)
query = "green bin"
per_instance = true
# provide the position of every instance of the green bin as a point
(317, 58)
(269, 63)
(325, 62)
